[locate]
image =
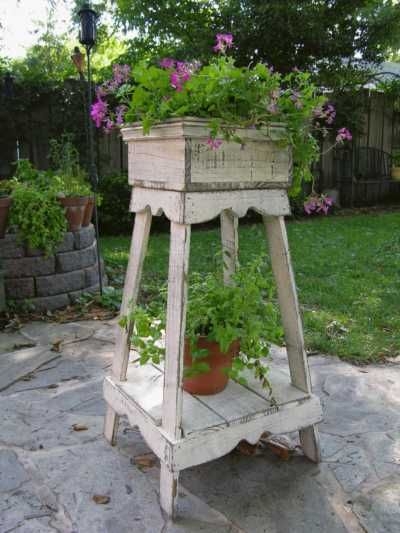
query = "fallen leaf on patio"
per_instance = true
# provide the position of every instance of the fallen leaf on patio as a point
(145, 461)
(279, 446)
(101, 499)
(79, 427)
(56, 347)
(245, 448)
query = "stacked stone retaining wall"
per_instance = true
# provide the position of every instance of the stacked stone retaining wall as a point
(55, 281)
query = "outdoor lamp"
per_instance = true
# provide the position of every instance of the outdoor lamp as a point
(87, 32)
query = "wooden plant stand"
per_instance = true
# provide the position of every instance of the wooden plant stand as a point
(172, 171)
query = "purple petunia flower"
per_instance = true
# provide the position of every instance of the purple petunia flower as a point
(98, 112)
(214, 144)
(224, 41)
(167, 62)
(343, 135)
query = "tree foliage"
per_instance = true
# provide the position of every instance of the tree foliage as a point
(318, 34)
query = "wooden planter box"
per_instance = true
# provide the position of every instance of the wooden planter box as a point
(175, 156)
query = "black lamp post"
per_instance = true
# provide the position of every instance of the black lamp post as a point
(87, 37)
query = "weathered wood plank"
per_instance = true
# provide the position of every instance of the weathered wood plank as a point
(230, 244)
(175, 328)
(201, 447)
(288, 302)
(211, 442)
(144, 385)
(197, 207)
(168, 489)
(282, 390)
(140, 237)
(291, 319)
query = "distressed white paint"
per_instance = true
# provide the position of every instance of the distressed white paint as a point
(207, 443)
(176, 156)
(137, 254)
(198, 207)
(230, 244)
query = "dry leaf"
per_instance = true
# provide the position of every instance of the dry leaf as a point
(279, 446)
(56, 347)
(79, 427)
(245, 448)
(145, 461)
(101, 499)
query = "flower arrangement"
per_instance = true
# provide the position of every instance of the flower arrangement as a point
(231, 97)
(317, 204)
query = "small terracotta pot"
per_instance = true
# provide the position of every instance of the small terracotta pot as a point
(74, 211)
(216, 379)
(87, 217)
(4, 209)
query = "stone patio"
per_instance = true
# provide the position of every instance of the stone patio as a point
(51, 381)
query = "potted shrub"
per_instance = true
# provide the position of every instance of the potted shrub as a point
(74, 190)
(396, 165)
(228, 329)
(35, 210)
(74, 198)
(5, 202)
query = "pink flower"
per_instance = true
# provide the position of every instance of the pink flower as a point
(175, 81)
(214, 144)
(224, 41)
(343, 135)
(98, 112)
(167, 62)
(121, 74)
(108, 126)
(119, 114)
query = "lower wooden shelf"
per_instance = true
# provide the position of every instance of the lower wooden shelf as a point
(211, 425)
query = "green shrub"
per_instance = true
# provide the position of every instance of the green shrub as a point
(114, 216)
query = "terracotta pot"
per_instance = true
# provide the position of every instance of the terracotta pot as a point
(74, 211)
(4, 209)
(396, 173)
(216, 379)
(87, 217)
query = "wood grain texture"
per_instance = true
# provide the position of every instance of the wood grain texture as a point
(168, 490)
(309, 438)
(175, 156)
(137, 253)
(209, 443)
(198, 207)
(140, 237)
(230, 244)
(175, 328)
(282, 268)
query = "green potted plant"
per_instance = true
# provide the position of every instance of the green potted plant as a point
(5, 202)
(35, 210)
(228, 329)
(396, 165)
(74, 190)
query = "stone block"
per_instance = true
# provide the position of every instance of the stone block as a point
(67, 245)
(33, 252)
(50, 303)
(76, 260)
(60, 283)
(29, 267)
(91, 276)
(10, 247)
(84, 237)
(20, 288)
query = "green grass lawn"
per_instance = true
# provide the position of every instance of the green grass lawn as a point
(347, 271)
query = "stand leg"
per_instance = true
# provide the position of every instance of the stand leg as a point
(168, 490)
(229, 238)
(174, 347)
(290, 311)
(140, 237)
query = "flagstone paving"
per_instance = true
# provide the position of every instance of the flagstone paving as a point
(49, 471)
